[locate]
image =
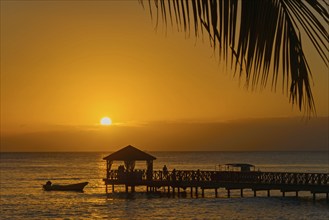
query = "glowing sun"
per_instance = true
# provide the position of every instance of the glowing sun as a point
(106, 121)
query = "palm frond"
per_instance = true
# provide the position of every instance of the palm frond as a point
(260, 35)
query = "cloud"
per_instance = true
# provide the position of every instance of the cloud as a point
(275, 134)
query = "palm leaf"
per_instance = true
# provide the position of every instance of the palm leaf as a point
(260, 35)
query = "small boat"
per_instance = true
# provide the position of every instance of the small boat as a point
(69, 187)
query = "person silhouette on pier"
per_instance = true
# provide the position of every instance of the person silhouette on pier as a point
(173, 175)
(165, 171)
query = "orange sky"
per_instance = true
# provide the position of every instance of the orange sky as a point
(65, 65)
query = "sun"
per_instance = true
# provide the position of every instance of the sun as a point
(106, 121)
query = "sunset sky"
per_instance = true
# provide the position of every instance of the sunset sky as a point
(67, 64)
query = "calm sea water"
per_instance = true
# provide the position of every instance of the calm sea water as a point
(22, 197)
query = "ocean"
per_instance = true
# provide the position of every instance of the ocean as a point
(22, 196)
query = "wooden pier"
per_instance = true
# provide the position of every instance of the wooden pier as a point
(196, 180)
(199, 181)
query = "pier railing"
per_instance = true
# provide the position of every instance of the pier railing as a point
(282, 178)
(294, 178)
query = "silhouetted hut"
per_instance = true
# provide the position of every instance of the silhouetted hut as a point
(243, 167)
(129, 155)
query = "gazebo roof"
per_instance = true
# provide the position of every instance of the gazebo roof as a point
(129, 153)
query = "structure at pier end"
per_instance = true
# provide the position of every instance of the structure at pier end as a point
(127, 175)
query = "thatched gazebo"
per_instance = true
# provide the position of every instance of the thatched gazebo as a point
(129, 155)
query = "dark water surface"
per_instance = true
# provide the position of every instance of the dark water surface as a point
(22, 197)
